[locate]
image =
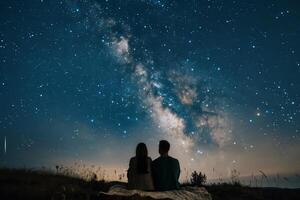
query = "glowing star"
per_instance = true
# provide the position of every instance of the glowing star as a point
(199, 152)
(258, 114)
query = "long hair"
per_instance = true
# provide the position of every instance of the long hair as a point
(141, 154)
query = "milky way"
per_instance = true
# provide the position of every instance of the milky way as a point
(87, 80)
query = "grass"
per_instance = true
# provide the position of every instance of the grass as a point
(227, 191)
(34, 184)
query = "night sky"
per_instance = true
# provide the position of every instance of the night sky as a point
(85, 81)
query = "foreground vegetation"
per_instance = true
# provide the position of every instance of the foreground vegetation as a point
(33, 184)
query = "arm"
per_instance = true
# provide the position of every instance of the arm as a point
(153, 172)
(177, 169)
(177, 174)
(150, 164)
(129, 171)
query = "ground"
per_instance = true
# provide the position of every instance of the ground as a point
(32, 184)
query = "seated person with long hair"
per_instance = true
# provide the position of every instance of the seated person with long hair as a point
(139, 173)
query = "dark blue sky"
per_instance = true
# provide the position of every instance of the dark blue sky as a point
(87, 80)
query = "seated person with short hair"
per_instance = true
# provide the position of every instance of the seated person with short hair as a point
(165, 169)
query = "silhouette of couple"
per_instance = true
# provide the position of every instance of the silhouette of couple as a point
(161, 174)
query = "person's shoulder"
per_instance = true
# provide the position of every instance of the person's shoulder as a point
(173, 159)
(132, 159)
(156, 160)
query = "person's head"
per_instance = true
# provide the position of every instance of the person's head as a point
(141, 154)
(164, 147)
(141, 150)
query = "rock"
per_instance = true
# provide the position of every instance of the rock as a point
(185, 193)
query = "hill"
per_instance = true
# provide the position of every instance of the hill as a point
(32, 184)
